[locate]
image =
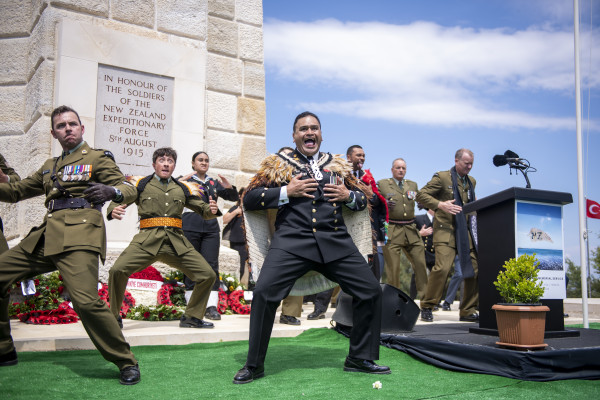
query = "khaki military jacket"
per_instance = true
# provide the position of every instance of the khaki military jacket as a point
(403, 197)
(439, 189)
(14, 177)
(404, 209)
(158, 200)
(69, 229)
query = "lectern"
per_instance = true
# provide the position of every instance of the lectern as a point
(510, 223)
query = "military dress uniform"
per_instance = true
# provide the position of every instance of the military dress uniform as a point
(14, 177)
(310, 234)
(70, 239)
(403, 234)
(437, 190)
(160, 206)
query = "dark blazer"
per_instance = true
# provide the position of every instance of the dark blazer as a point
(193, 222)
(310, 228)
(423, 221)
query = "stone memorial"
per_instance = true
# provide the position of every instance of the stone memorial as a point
(133, 116)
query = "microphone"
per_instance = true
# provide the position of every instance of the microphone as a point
(512, 157)
(514, 162)
(500, 160)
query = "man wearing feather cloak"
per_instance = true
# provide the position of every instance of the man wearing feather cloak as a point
(309, 189)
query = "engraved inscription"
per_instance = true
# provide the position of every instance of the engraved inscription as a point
(133, 116)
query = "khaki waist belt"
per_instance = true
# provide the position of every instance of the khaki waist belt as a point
(402, 222)
(160, 221)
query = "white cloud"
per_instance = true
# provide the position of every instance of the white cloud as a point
(426, 73)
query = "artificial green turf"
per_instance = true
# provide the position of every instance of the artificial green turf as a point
(593, 325)
(305, 367)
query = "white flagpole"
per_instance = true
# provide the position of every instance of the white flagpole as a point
(581, 196)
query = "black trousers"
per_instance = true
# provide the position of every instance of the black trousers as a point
(240, 247)
(207, 244)
(277, 276)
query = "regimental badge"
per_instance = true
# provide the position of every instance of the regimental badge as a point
(72, 173)
(411, 194)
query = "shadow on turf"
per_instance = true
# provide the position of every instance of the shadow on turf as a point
(282, 358)
(90, 365)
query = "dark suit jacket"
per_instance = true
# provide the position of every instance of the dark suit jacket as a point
(193, 222)
(310, 228)
(423, 221)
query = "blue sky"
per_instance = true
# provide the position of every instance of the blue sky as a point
(421, 79)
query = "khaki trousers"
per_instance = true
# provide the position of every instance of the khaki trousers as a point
(414, 250)
(134, 259)
(79, 270)
(444, 257)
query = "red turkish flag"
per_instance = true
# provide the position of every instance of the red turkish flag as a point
(593, 209)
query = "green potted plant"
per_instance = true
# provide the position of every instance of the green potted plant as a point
(521, 319)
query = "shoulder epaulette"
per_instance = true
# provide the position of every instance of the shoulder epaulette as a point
(107, 153)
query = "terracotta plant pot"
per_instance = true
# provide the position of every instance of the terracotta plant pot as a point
(521, 326)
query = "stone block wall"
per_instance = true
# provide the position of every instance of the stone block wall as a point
(234, 114)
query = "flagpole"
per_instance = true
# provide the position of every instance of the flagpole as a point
(581, 196)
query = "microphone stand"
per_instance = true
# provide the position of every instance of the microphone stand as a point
(523, 168)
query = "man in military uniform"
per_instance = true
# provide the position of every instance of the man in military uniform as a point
(309, 189)
(403, 235)
(446, 193)
(160, 200)
(7, 174)
(70, 239)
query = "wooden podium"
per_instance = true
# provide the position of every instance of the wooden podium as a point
(497, 242)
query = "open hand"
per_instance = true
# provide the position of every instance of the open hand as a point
(118, 212)
(299, 187)
(337, 192)
(224, 182)
(449, 207)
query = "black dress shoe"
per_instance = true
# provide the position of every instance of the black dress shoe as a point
(192, 322)
(288, 319)
(9, 359)
(367, 366)
(212, 313)
(248, 374)
(316, 315)
(470, 318)
(130, 375)
(426, 315)
(446, 306)
(437, 307)
(120, 322)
